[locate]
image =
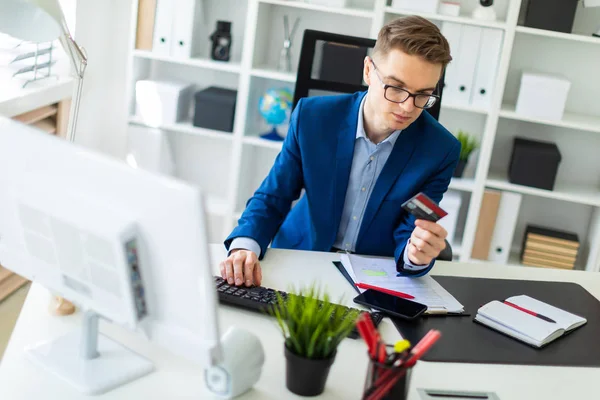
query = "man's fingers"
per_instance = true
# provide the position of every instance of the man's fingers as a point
(238, 268)
(229, 270)
(416, 256)
(435, 241)
(249, 266)
(424, 247)
(432, 227)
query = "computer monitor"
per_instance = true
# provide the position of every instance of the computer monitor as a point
(121, 243)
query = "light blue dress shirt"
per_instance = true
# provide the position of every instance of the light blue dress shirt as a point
(367, 162)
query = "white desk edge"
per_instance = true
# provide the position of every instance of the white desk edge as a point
(177, 378)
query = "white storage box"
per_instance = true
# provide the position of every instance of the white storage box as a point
(426, 6)
(159, 103)
(543, 96)
(451, 203)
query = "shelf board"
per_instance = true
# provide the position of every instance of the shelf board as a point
(570, 120)
(223, 66)
(260, 142)
(574, 193)
(270, 73)
(187, 128)
(353, 12)
(559, 35)
(463, 184)
(448, 18)
(464, 108)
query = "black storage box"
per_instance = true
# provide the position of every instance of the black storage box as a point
(215, 108)
(552, 15)
(534, 163)
(342, 63)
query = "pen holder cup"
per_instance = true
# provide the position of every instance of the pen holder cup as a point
(385, 382)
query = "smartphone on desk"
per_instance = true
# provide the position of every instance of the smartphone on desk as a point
(392, 305)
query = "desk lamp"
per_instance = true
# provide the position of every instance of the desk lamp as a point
(44, 21)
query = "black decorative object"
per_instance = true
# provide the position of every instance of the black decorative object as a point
(221, 42)
(552, 15)
(215, 108)
(342, 63)
(534, 163)
(306, 376)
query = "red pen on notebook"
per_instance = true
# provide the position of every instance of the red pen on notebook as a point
(384, 290)
(540, 316)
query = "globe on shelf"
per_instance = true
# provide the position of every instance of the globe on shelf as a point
(275, 106)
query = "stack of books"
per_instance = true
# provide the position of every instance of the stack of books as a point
(543, 247)
(9, 282)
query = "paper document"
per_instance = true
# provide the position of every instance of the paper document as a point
(382, 272)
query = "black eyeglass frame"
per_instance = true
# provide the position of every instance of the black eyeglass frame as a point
(409, 94)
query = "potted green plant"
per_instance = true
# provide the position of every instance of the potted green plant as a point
(312, 329)
(467, 145)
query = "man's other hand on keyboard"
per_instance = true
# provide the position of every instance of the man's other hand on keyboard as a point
(241, 268)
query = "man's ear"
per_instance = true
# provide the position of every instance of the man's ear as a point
(367, 70)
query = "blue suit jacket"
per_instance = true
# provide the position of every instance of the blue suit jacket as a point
(317, 156)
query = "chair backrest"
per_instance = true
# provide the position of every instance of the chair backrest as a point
(331, 64)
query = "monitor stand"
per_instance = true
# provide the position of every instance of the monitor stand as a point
(89, 361)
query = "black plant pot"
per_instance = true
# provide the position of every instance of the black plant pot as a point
(460, 169)
(306, 376)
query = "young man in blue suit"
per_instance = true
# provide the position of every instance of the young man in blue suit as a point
(358, 157)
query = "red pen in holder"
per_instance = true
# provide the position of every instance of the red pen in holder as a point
(388, 372)
(386, 381)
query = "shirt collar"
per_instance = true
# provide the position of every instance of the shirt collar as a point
(360, 128)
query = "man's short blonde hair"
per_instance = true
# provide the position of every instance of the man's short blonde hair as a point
(414, 36)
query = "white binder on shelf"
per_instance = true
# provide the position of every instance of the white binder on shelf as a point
(185, 18)
(466, 65)
(451, 203)
(487, 68)
(504, 229)
(452, 31)
(163, 26)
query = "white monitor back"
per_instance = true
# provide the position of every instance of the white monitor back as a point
(67, 216)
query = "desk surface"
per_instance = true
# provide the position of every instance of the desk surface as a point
(177, 378)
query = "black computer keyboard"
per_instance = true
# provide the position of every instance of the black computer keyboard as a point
(262, 299)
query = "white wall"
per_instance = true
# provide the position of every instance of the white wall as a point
(103, 30)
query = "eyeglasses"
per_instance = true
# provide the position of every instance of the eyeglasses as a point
(396, 94)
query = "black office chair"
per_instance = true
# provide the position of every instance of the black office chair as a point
(339, 69)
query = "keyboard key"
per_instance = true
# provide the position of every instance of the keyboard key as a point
(260, 299)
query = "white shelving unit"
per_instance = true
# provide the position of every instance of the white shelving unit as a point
(230, 166)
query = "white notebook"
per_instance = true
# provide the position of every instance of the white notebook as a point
(526, 327)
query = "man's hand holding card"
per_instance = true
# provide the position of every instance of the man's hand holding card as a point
(428, 238)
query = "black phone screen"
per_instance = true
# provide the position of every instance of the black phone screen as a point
(392, 305)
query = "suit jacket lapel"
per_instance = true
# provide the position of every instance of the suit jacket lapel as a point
(400, 156)
(343, 164)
